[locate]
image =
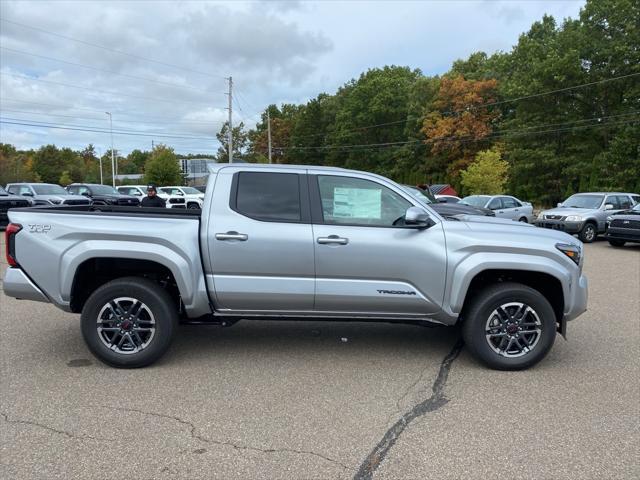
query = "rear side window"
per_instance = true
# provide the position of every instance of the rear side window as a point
(495, 204)
(271, 197)
(509, 202)
(624, 201)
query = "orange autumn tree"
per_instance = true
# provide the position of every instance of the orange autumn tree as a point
(460, 121)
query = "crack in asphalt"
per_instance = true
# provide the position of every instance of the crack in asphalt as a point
(51, 429)
(195, 435)
(431, 404)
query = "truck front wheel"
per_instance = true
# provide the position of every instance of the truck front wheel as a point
(129, 322)
(509, 326)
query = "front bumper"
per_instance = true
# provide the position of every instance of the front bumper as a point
(562, 225)
(577, 302)
(625, 234)
(16, 284)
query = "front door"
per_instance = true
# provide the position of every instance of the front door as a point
(366, 262)
(260, 242)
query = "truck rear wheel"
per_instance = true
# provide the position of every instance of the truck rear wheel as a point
(129, 322)
(509, 326)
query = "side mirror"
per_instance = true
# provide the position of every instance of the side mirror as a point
(608, 206)
(559, 205)
(416, 217)
(27, 194)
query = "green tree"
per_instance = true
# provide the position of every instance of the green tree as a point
(48, 164)
(240, 142)
(65, 179)
(487, 174)
(162, 167)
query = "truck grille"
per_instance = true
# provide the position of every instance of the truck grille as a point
(176, 200)
(621, 223)
(133, 202)
(76, 202)
(554, 217)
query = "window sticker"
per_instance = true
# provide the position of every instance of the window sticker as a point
(357, 203)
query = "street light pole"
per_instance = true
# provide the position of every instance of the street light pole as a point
(113, 161)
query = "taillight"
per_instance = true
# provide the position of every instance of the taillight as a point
(10, 243)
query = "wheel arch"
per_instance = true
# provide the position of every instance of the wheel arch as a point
(541, 273)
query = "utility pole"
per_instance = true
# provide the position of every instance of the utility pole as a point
(152, 145)
(230, 120)
(113, 160)
(269, 132)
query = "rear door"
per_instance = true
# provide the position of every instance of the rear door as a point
(512, 208)
(260, 242)
(366, 263)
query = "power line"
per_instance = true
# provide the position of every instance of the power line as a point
(120, 52)
(484, 105)
(94, 90)
(96, 130)
(175, 85)
(466, 138)
(72, 107)
(178, 121)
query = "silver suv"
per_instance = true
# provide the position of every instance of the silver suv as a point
(47, 194)
(586, 214)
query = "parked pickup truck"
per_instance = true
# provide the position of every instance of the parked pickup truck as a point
(287, 242)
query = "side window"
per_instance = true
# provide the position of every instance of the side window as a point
(495, 204)
(266, 196)
(636, 198)
(354, 201)
(613, 200)
(509, 202)
(624, 202)
(73, 190)
(24, 189)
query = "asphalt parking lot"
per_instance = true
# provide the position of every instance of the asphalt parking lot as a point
(327, 400)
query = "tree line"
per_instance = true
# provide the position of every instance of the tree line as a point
(63, 166)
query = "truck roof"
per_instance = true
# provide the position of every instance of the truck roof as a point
(215, 168)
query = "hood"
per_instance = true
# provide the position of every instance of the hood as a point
(565, 211)
(448, 209)
(60, 198)
(116, 196)
(498, 227)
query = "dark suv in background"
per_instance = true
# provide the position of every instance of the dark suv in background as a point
(8, 201)
(103, 194)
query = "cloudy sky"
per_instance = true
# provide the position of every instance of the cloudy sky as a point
(160, 67)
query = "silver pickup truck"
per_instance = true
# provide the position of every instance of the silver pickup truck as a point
(287, 242)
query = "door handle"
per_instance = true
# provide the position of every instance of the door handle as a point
(243, 237)
(331, 239)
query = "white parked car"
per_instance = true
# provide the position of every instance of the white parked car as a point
(193, 197)
(505, 206)
(447, 198)
(140, 191)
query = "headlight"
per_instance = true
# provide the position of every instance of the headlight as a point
(541, 216)
(573, 218)
(609, 218)
(572, 251)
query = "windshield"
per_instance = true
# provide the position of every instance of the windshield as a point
(3, 191)
(49, 190)
(103, 190)
(475, 200)
(583, 201)
(418, 193)
(191, 191)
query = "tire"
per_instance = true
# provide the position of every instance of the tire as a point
(193, 206)
(538, 319)
(523, 220)
(589, 233)
(616, 243)
(151, 329)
